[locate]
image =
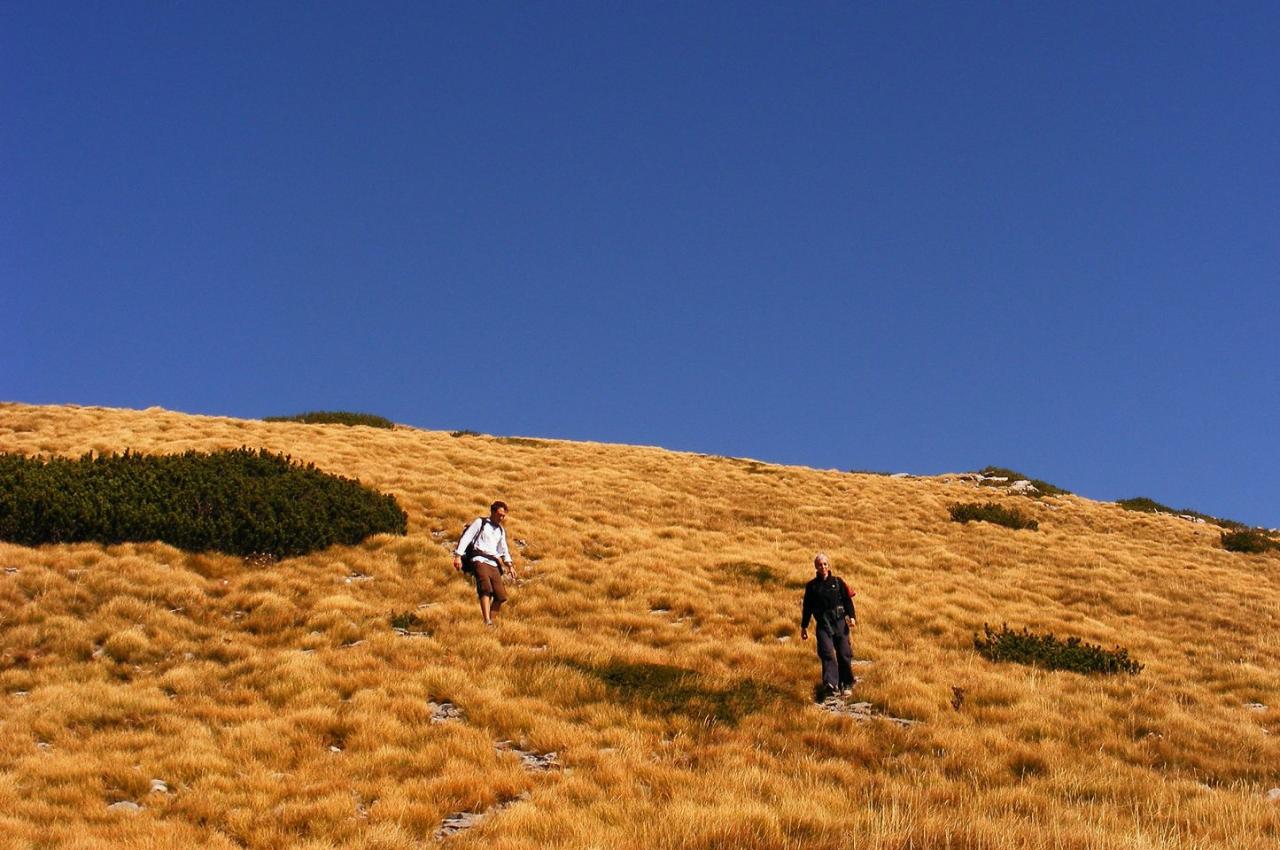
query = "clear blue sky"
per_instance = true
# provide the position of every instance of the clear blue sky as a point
(909, 237)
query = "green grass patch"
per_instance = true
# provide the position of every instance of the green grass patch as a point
(993, 513)
(1251, 541)
(1151, 506)
(243, 502)
(1045, 488)
(334, 417)
(664, 689)
(1047, 651)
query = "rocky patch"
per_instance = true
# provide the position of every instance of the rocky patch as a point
(443, 712)
(460, 821)
(531, 761)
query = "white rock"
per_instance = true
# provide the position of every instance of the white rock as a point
(444, 711)
(1274, 795)
(1023, 486)
(159, 786)
(1255, 706)
(127, 806)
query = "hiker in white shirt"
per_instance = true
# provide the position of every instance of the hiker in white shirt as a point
(482, 550)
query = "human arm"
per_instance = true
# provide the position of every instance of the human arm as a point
(806, 612)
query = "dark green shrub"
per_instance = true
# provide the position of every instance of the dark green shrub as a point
(991, 512)
(241, 501)
(1250, 541)
(1048, 652)
(335, 417)
(406, 621)
(1151, 506)
(466, 432)
(1045, 488)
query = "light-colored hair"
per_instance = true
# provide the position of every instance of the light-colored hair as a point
(821, 555)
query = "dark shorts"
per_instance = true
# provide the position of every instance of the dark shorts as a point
(489, 582)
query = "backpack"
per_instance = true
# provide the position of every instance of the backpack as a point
(469, 554)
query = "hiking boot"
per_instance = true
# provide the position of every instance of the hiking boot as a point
(847, 690)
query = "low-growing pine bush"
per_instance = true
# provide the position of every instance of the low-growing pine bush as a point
(1047, 651)
(991, 512)
(335, 417)
(405, 621)
(1151, 506)
(240, 501)
(1249, 541)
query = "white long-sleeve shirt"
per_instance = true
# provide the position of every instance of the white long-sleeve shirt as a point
(491, 544)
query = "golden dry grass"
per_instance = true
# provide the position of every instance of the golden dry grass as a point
(282, 710)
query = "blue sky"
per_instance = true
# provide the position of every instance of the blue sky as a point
(909, 237)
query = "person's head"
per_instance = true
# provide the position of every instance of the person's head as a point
(498, 512)
(822, 565)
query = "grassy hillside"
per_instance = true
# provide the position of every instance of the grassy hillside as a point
(279, 708)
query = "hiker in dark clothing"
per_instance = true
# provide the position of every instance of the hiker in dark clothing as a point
(828, 601)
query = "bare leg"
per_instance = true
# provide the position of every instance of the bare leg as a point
(486, 602)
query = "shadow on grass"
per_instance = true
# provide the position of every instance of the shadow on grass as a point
(675, 690)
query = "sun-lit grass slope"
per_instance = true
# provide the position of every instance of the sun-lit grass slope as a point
(281, 710)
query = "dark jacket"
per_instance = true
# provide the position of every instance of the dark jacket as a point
(828, 601)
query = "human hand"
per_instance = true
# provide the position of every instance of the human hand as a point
(804, 634)
(457, 562)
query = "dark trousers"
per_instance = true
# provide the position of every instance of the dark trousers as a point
(836, 655)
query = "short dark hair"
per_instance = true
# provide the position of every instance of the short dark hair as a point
(498, 504)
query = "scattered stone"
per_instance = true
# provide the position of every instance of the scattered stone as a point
(659, 611)
(20, 693)
(10, 570)
(442, 712)
(521, 544)
(44, 745)
(352, 644)
(784, 638)
(1274, 795)
(1023, 487)
(534, 762)
(159, 786)
(459, 821)
(901, 475)
(127, 806)
(860, 711)
(334, 748)
(1255, 706)
(358, 577)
